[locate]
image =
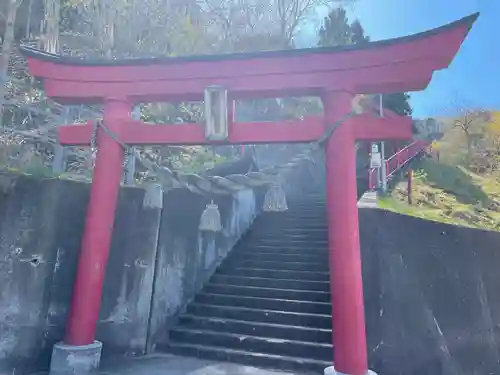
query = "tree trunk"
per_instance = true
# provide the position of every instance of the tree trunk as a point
(105, 19)
(50, 26)
(50, 44)
(469, 147)
(8, 42)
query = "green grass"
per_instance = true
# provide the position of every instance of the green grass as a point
(449, 194)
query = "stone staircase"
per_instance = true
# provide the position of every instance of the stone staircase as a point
(268, 304)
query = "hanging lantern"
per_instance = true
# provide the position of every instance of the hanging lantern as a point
(216, 113)
(275, 199)
(375, 157)
(210, 219)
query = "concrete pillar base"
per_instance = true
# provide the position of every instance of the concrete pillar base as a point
(331, 371)
(75, 360)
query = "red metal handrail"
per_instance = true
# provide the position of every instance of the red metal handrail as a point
(398, 160)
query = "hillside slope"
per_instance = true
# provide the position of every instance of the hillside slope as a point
(445, 190)
(448, 194)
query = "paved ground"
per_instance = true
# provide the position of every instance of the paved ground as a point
(368, 200)
(165, 364)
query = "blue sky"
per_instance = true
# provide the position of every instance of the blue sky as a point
(473, 79)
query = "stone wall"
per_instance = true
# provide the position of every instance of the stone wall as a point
(431, 296)
(41, 224)
(186, 257)
(310, 177)
(40, 228)
(158, 260)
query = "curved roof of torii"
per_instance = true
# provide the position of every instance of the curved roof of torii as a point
(399, 64)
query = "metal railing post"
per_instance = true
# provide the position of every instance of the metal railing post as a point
(383, 168)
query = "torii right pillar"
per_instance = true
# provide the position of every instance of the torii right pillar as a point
(346, 281)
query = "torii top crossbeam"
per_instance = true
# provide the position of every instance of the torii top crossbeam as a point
(395, 65)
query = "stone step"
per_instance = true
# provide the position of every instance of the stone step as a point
(291, 223)
(275, 274)
(308, 197)
(319, 236)
(284, 242)
(307, 307)
(238, 280)
(270, 225)
(312, 216)
(311, 265)
(306, 203)
(306, 210)
(311, 212)
(255, 344)
(321, 321)
(293, 217)
(249, 291)
(243, 247)
(268, 304)
(305, 365)
(282, 256)
(290, 227)
(241, 327)
(292, 231)
(306, 206)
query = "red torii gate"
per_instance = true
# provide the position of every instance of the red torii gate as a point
(335, 74)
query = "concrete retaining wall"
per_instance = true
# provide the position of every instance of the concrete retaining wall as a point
(431, 296)
(40, 228)
(186, 257)
(158, 261)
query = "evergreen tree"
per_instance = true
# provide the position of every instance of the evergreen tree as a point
(336, 31)
(398, 102)
(358, 33)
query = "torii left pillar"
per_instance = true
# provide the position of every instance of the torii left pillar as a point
(80, 353)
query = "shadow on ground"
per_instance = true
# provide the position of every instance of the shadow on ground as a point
(164, 364)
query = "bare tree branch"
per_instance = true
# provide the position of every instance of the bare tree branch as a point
(8, 40)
